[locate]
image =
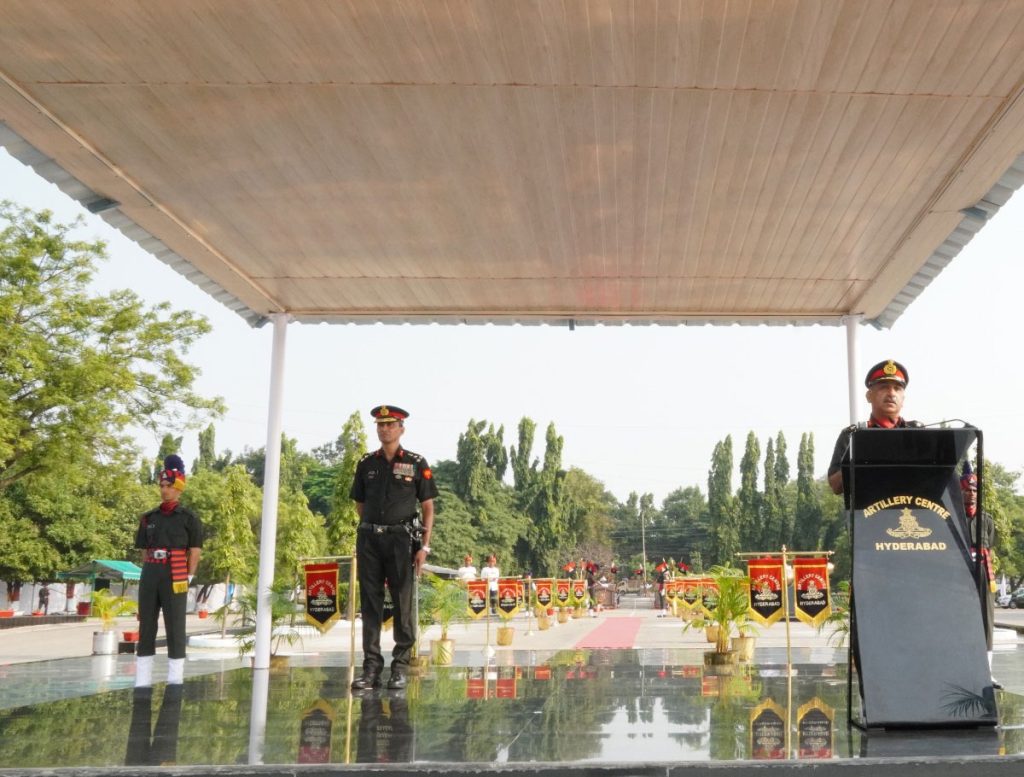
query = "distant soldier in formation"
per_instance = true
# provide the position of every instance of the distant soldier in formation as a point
(983, 534)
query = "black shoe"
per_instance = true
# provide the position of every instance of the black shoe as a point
(366, 682)
(397, 681)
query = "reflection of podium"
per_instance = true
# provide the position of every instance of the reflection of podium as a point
(916, 629)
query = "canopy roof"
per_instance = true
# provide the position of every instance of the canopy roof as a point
(105, 568)
(590, 161)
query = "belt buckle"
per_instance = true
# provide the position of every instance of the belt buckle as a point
(160, 554)
(379, 528)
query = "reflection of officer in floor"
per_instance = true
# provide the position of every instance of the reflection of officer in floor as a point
(149, 747)
(385, 735)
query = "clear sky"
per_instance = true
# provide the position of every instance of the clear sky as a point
(640, 408)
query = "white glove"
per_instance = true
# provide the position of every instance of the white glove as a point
(190, 579)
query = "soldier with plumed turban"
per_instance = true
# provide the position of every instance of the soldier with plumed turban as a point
(171, 538)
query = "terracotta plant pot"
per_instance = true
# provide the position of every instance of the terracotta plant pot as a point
(714, 658)
(744, 647)
(130, 636)
(203, 614)
(6, 613)
(505, 634)
(442, 651)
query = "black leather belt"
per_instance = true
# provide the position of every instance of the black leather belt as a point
(384, 528)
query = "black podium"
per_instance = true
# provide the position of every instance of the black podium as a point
(916, 626)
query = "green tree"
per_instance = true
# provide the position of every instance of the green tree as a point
(771, 503)
(342, 518)
(548, 538)
(807, 530)
(523, 471)
(300, 535)
(724, 529)
(77, 370)
(785, 506)
(683, 516)
(58, 519)
(748, 501)
(1006, 506)
(228, 503)
(588, 509)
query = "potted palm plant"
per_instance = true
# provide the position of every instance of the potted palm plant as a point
(729, 614)
(108, 607)
(282, 621)
(443, 601)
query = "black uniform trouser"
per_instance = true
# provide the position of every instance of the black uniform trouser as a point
(386, 557)
(148, 747)
(155, 594)
(384, 738)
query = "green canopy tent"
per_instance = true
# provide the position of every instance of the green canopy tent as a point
(104, 569)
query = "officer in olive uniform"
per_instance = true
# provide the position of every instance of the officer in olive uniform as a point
(171, 538)
(387, 486)
(886, 383)
(983, 534)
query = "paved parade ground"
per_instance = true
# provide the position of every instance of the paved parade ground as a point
(620, 693)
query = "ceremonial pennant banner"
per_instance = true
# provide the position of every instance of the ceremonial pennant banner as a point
(708, 596)
(476, 598)
(579, 591)
(768, 731)
(671, 588)
(689, 591)
(815, 729)
(322, 595)
(315, 733)
(810, 583)
(542, 672)
(508, 596)
(544, 587)
(766, 581)
(709, 685)
(476, 683)
(506, 685)
(563, 592)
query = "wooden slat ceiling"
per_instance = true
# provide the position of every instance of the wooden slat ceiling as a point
(596, 160)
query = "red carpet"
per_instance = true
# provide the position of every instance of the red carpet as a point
(612, 633)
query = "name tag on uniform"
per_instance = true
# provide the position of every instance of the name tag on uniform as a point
(404, 469)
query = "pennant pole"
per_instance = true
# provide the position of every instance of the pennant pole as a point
(528, 601)
(789, 652)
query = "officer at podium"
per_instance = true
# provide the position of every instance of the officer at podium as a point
(886, 382)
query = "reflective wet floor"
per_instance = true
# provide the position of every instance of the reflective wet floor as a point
(575, 706)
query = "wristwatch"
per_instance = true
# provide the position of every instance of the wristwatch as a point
(425, 548)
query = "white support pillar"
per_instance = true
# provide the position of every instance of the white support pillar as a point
(853, 372)
(271, 489)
